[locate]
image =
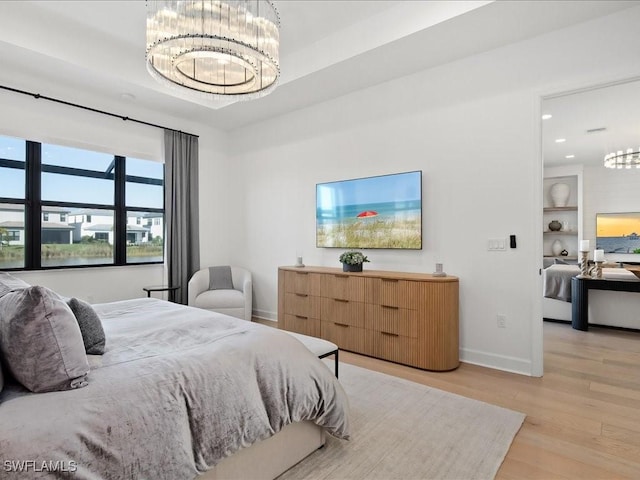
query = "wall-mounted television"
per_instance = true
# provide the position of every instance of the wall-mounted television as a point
(618, 232)
(384, 211)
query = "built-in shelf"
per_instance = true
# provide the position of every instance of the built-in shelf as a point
(560, 209)
(569, 216)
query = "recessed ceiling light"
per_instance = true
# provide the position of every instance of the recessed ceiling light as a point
(546, 116)
(561, 140)
(569, 156)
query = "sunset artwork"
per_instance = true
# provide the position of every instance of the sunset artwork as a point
(618, 232)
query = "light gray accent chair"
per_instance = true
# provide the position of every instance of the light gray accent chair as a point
(236, 302)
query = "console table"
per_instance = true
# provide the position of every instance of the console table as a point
(407, 318)
(580, 296)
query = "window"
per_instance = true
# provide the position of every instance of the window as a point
(13, 154)
(144, 201)
(88, 194)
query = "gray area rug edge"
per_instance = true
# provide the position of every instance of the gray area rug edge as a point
(406, 430)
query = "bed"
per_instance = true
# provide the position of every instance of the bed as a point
(615, 309)
(179, 393)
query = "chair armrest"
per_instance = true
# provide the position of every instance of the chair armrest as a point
(199, 283)
(242, 281)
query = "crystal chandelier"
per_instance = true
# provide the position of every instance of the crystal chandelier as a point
(621, 159)
(216, 48)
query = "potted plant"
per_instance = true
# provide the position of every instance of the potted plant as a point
(352, 261)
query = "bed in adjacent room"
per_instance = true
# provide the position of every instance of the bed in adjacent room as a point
(178, 392)
(616, 309)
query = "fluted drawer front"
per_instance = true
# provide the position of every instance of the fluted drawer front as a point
(347, 337)
(391, 292)
(302, 304)
(392, 347)
(344, 287)
(408, 318)
(302, 324)
(400, 321)
(302, 282)
(343, 311)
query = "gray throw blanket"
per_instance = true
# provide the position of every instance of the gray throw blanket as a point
(557, 281)
(220, 278)
(177, 389)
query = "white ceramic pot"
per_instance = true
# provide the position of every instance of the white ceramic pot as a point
(559, 194)
(556, 248)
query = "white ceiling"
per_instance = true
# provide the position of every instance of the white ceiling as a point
(92, 52)
(616, 108)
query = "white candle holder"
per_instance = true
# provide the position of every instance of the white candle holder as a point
(598, 270)
(584, 265)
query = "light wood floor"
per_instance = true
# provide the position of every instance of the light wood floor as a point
(583, 416)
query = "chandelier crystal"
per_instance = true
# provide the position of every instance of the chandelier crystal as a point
(216, 48)
(622, 159)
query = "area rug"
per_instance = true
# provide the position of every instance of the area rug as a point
(405, 430)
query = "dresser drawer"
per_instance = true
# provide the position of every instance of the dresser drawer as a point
(342, 311)
(347, 337)
(343, 287)
(301, 324)
(302, 304)
(302, 282)
(391, 292)
(396, 320)
(395, 348)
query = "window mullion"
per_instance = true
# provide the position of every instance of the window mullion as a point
(33, 206)
(120, 220)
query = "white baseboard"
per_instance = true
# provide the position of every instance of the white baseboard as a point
(264, 315)
(500, 362)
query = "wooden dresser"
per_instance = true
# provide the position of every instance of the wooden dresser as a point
(408, 318)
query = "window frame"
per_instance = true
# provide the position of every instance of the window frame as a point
(34, 205)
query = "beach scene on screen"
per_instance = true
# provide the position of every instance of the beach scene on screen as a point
(374, 212)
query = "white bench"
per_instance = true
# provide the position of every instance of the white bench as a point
(319, 347)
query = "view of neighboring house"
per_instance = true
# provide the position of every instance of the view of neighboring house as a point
(55, 226)
(66, 226)
(98, 224)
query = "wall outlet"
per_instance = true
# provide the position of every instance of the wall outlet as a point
(502, 321)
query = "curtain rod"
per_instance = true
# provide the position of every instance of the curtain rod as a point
(95, 110)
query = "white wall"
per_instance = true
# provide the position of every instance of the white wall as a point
(472, 127)
(40, 120)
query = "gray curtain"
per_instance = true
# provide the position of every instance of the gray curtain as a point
(181, 210)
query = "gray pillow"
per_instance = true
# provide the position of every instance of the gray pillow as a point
(40, 341)
(220, 278)
(9, 283)
(90, 326)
